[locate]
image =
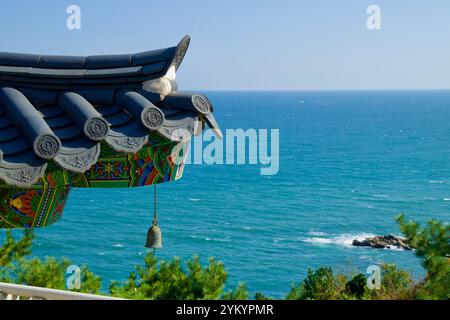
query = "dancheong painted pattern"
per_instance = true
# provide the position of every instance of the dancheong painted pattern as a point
(43, 203)
(114, 121)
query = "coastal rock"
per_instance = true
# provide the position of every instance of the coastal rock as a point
(383, 242)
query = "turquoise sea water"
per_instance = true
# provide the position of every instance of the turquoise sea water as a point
(349, 163)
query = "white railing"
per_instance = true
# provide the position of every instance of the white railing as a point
(19, 292)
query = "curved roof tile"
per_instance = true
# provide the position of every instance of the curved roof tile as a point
(69, 72)
(61, 109)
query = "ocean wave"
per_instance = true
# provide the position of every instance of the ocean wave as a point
(366, 205)
(395, 248)
(194, 199)
(118, 245)
(438, 181)
(317, 233)
(345, 239)
(210, 239)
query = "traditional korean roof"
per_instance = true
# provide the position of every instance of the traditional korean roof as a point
(63, 108)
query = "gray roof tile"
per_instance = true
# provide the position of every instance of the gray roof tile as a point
(70, 72)
(9, 133)
(108, 61)
(61, 108)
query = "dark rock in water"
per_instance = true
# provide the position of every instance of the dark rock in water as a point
(383, 242)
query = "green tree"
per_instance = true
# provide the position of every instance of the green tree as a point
(240, 293)
(16, 267)
(13, 250)
(192, 281)
(396, 284)
(262, 296)
(167, 280)
(432, 246)
(51, 273)
(319, 285)
(356, 287)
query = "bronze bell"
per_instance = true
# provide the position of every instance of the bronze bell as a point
(154, 238)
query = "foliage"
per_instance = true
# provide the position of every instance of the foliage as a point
(396, 284)
(167, 280)
(240, 293)
(51, 273)
(172, 280)
(15, 267)
(261, 296)
(356, 287)
(432, 246)
(12, 250)
(321, 284)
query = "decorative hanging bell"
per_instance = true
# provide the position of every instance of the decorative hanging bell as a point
(154, 238)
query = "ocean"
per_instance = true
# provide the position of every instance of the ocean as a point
(350, 162)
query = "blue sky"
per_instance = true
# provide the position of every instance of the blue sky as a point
(253, 45)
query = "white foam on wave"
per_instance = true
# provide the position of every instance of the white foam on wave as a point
(317, 233)
(226, 239)
(118, 245)
(394, 248)
(194, 199)
(318, 240)
(437, 181)
(345, 239)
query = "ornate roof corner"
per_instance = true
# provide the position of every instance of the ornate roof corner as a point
(64, 108)
(181, 51)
